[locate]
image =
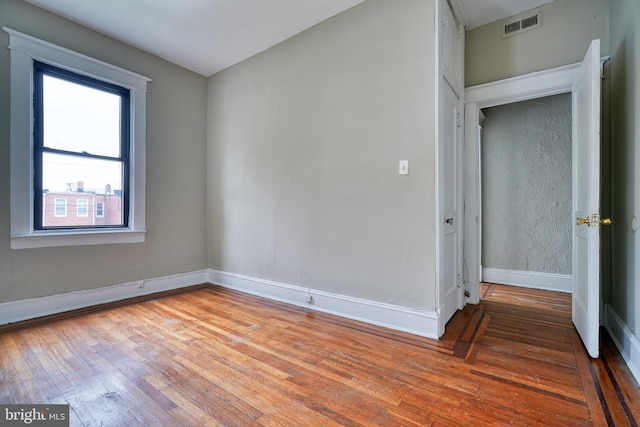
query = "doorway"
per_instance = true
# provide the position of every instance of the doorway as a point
(532, 86)
(583, 80)
(526, 193)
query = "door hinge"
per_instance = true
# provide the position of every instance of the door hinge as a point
(459, 120)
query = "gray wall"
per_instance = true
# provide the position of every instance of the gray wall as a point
(176, 165)
(568, 26)
(624, 70)
(526, 186)
(304, 143)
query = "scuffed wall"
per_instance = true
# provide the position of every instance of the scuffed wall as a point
(526, 186)
(304, 143)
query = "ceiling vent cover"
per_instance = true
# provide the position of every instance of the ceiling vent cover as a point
(520, 26)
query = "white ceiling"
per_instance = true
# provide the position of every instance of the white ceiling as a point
(207, 36)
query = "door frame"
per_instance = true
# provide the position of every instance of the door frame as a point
(554, 81)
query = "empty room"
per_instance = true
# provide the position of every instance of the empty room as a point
(273, 213)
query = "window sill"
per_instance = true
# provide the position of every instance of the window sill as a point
(48, 239)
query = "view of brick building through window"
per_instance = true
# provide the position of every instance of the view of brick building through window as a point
(80, 207)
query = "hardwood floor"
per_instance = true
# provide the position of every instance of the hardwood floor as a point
(213, 356)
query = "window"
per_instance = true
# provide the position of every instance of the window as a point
(83, 207)
(58, 150)
(99, 209)
(81, 135)
(60, 208)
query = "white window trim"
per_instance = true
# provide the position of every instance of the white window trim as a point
(97, 210)
(85, 208)
(24, 50)
(55, 207)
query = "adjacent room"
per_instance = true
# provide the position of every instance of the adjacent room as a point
(286, 213)
(526, 177)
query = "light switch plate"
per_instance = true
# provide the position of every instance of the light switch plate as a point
(403, 167)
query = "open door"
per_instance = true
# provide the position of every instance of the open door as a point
(450, 196)
(451, 288)
(586, 200)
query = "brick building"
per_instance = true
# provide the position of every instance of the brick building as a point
(76, 207)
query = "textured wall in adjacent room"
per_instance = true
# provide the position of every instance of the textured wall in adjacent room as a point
(526, 186)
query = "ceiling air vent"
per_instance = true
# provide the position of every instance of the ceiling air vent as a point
(520, 26)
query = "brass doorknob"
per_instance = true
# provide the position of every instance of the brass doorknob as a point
(606, 221)
(581, 221)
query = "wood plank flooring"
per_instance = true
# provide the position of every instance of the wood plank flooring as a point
(213, 356)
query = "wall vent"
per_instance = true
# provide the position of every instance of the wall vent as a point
(520, 26)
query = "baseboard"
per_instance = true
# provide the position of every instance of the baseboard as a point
(627, 343)
(529, 279)
(418, 322)
(16, 311)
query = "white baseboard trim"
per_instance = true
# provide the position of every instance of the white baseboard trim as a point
(627, 343)
(417, 322)
(529, 279)
(16, 311)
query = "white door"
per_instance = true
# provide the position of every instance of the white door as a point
(451, 289)
(586, 200)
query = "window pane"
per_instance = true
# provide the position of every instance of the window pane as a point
(85, 183)
(79, 118)
(60, 207)
(83, 207)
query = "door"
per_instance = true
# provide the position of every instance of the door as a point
(451, 288)
(586, 200)
(450, 92)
